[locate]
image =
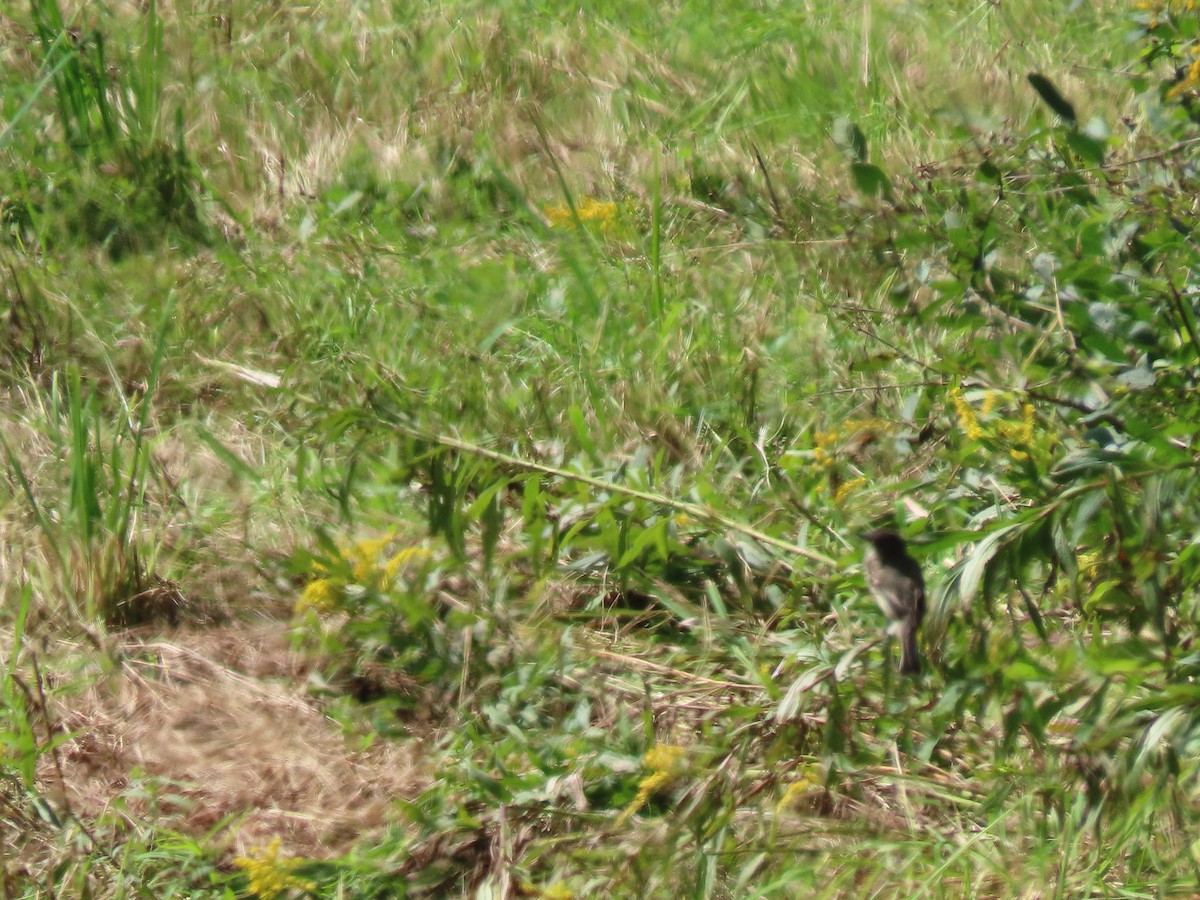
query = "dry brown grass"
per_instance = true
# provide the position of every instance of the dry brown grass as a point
(201, 728)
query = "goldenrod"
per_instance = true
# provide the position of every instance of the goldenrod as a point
(271, 875)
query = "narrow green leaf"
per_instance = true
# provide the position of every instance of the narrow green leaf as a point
(1052, 98)
(871, 180)
(223, 453)
(975, 565)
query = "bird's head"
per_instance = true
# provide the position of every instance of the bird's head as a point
(886, 541)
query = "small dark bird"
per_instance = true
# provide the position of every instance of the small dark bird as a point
(895, 580)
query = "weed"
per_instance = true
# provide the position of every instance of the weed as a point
(544, 378)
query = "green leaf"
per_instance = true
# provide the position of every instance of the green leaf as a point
(227, 456)
(988, 172)
(492, 522)
(1090, 149)
(1025, 669)
(1064, 552)
(716, 601)
(874, 363)
(1137, 378)
(973, 568)
(652, 537)
(1126, 658)
(871, 180)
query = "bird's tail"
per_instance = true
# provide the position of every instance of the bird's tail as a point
(910, 658)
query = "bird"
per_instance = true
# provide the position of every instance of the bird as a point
(895, 581)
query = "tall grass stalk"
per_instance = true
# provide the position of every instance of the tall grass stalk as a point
(97, 553)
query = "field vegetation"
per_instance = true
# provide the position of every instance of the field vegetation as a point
(437, 441)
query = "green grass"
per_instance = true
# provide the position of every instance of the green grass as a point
(415, 416)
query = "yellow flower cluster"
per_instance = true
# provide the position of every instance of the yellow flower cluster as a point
(271, 875)
(1165, 6)
(966, 415)
(1159, 11)
(1018, 434)
(601, 213)
(822, 442)
(846, 488)
(369, 566)
(320, 595)
(1191, 78)
(666, 763)
(808, 782)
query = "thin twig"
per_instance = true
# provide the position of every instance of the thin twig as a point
(775, 204)
(638, 663)
(697, 511)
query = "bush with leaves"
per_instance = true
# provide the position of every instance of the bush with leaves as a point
(1048, 285)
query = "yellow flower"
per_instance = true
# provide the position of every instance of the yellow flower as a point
(668, 758)
(558, 215)
(271, 875)
(399, 560)
(989, 403)
(822, 441)
(966, 415)
(1163, 7)
(1190, 80)
(808, 782)
(601, 213)
(320, 596)
(847, 488)
(368, 568)
(826, 439)
(666, 763)
(1020, 433)
(1025, 435)
(364, 556)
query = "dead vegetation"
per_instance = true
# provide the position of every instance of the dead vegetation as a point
(212, 733)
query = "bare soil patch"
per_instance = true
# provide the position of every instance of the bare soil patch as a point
(199, 727)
